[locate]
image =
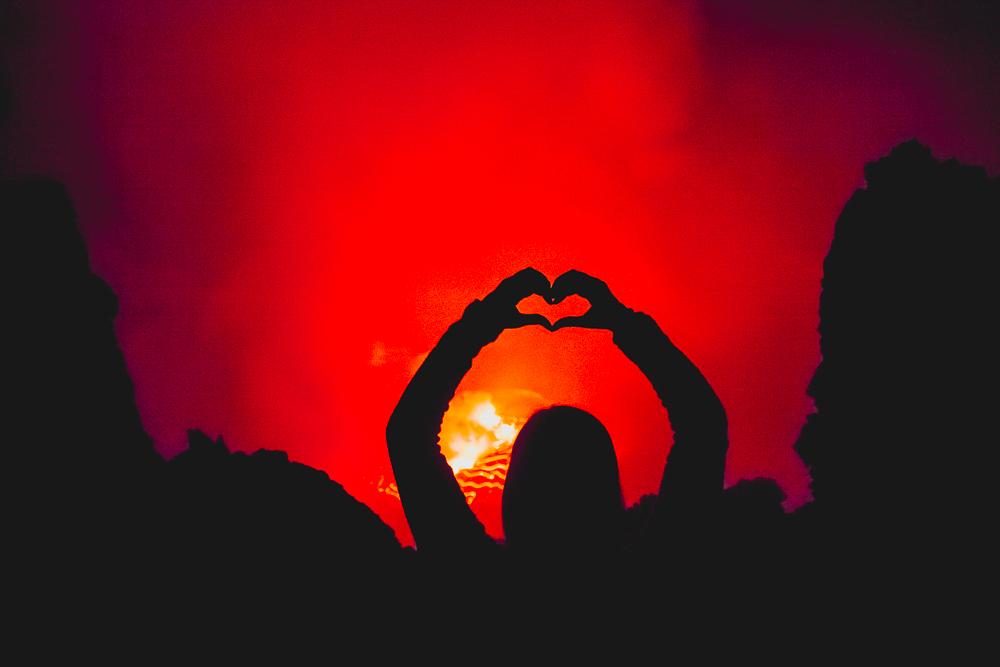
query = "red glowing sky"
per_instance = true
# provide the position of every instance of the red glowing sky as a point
(276, 193)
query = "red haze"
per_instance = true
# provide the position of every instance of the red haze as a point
(294, 200)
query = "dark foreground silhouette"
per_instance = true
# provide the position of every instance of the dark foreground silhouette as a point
(900, 449)
(897, 448)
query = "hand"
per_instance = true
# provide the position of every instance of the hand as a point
(605, 310)
(501, 304)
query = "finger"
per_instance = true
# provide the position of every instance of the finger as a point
(584, 320)
(528, 319)
(523, 283)
(575, 282)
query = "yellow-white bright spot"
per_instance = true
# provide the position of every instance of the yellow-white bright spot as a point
(465, 445)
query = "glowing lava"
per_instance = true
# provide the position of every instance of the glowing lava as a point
(472, 429)
(476, 439)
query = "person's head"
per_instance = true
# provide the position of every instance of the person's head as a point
(562, 486)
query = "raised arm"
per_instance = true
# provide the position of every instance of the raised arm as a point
(435, 507)
(693, 476)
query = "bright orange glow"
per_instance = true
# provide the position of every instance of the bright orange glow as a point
(476, 439)
(472, 429)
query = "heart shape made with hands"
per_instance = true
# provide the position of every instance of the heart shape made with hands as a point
(572, 306)
(564, 297)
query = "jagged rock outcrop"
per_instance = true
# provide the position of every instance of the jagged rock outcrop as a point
(899, 445)
(88, 492)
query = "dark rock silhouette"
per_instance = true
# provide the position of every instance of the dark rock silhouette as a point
(897, 447)
(752, 511)
(84, 457)
(265, 511)
(10, 33)
(67, 325)
(750, 515)
(93, 501)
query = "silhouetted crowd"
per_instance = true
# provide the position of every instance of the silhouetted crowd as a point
(900, 449)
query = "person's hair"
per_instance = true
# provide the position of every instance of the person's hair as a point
(562, 486)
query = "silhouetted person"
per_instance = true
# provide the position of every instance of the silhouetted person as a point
(538, 517)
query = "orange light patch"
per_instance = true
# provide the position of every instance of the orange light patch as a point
(477, 436)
